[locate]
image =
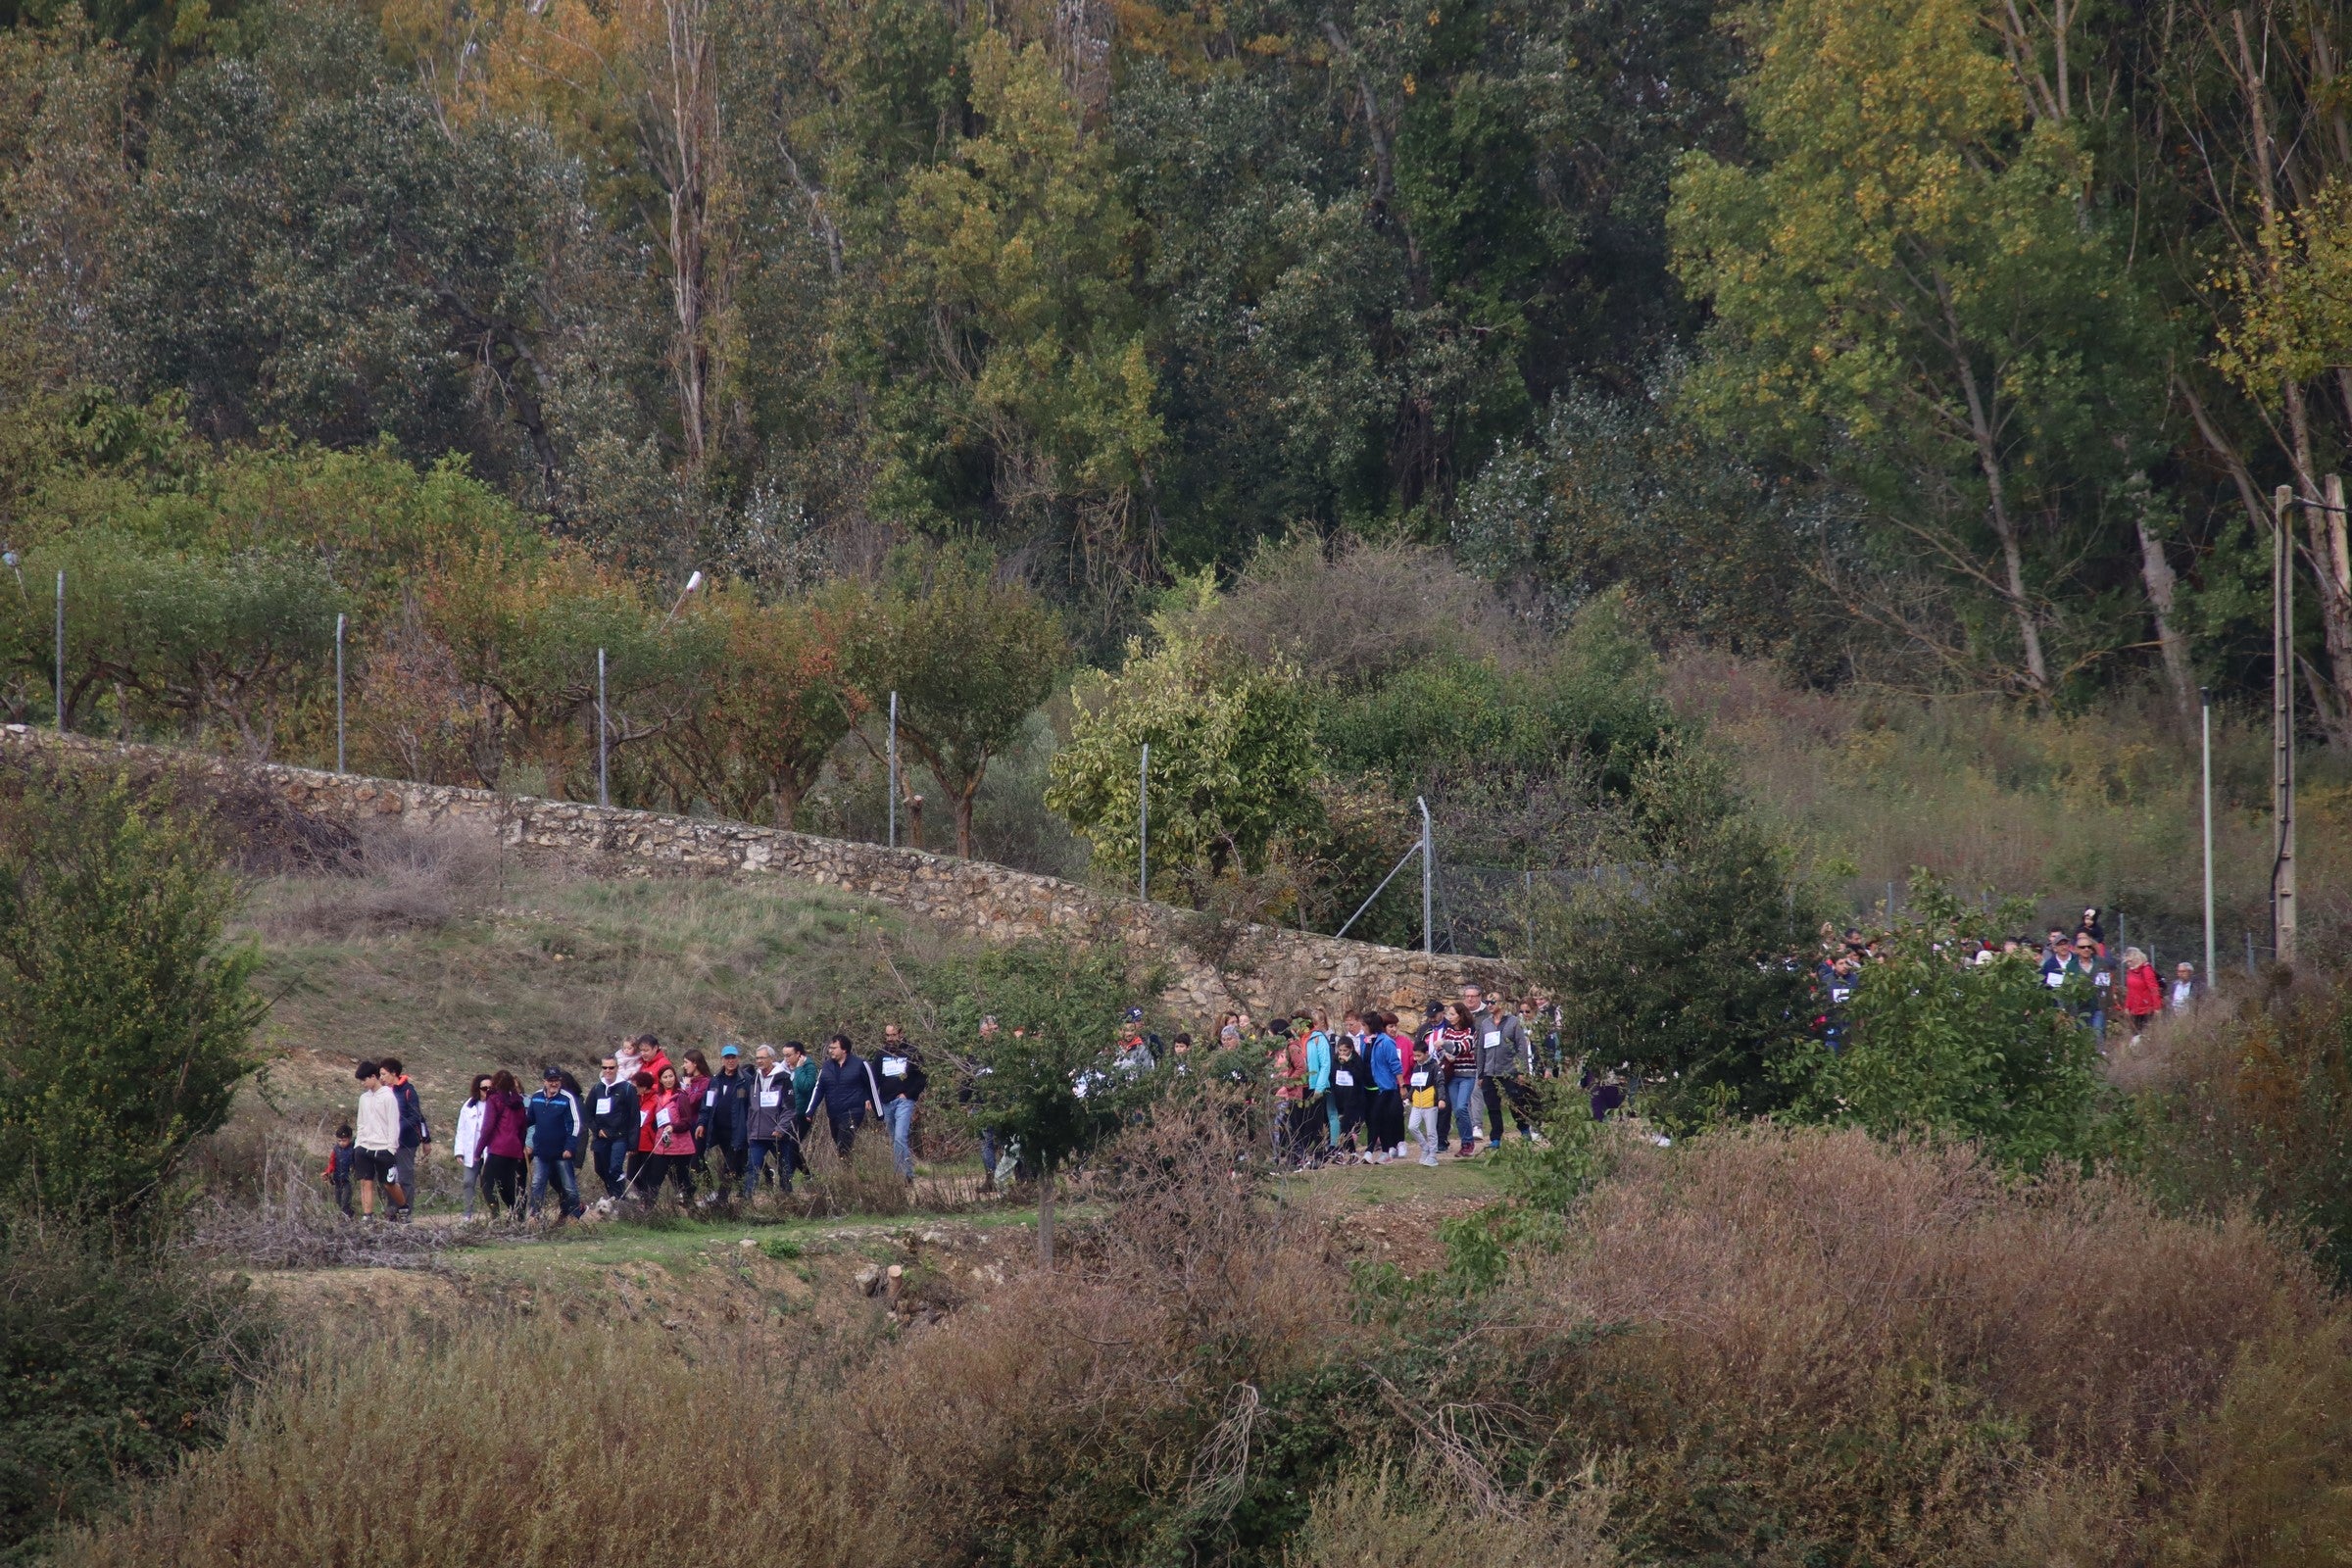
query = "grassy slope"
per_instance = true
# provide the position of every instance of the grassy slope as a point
(467, 963)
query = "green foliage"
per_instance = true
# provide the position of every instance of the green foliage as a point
(1234, 762)
(1942, 1048)
(126, 1023)
(968, 656)
(1045, 1081)
(1684, 959)
(115, 1362)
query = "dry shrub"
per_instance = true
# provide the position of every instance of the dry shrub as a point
(394, 879)
(2270, 1468)
(1189, 1222)
(1784, 1268)
(516, 1443)
(1374, 1519)
(865, 1183)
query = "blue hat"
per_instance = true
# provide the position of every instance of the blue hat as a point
(1135, 1015)
(729, 1051)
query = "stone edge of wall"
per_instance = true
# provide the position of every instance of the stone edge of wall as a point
(1253, 966)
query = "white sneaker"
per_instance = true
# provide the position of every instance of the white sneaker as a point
(1431, 1160)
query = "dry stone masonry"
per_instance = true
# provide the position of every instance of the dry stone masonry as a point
(1214, 965)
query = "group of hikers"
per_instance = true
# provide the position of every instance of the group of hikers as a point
(1360, 1091)
(2076, 967)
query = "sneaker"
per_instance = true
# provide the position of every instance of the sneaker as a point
(1431, 1160)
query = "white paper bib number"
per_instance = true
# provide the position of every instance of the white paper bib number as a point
(1346, 1080)
(894, 1067)
(662, 1117)
(770, 1099)
(604, 1105)
(1421, 1080)
(1493, 1038)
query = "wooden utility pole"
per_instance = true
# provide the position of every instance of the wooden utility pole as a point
(2282, 726)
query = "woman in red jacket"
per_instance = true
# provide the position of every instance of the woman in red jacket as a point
(501, 1143)
(2143, 992)
(693, 1083)
(669, 1133)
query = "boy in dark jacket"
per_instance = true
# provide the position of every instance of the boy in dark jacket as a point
(414, 1130)
(612, 1114)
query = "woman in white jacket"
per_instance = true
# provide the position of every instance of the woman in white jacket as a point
(469, 1138)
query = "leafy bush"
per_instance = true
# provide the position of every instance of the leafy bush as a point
(126, 1023)
(1682, 959)
(1948, 1049)
(114, 1363)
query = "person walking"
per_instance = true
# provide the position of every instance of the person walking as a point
(765, 1126)
(847, 1089)
(671, 1155)
(639, 1159)
(1421, 1095)
(1316, 1107)
(694, 1084)
(724, 1100)
(375, 1137)
(900, 1087)
(557, 1133)
(467, 1143)
(2184, 987)
(612, 1126)
(1351, 1090)
(414, 1131)
(1385, 1114)
(1504, 1056)
(1458, 1057)
(339, 1162)
(2143, 992)
(967, 1090)
(501, 1146)
(803, 1068)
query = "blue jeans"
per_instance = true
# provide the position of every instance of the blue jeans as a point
(757, 1153)
(567, 1185)
(899, 1116)
(988, 1152)
(1461, 1095)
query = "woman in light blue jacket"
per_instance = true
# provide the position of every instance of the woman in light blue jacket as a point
(1318, 1076)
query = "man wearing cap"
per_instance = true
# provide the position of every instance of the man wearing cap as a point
(722, 1114)
(555, 1129)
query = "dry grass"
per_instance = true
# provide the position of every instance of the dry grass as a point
(1375, 1519)
(2097, 809)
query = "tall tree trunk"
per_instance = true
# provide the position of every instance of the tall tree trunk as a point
(686, 148)
(2004, 527)
(2156, 575)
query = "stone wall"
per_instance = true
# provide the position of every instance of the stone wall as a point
(1215, 965)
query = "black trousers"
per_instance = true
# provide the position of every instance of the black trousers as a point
(1388, 1118)
(501, 1181)
(843, 1127)
(1523, 1107)
(659, 1169)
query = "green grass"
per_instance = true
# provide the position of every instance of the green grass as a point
(516, 967)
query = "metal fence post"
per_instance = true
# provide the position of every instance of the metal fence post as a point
(894, 770)
(1143, 826)
(61, 653)
(339, 693)
(1428, 878)
(604, 777)
(2205, 717)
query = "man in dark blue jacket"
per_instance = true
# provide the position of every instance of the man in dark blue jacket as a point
(555, 1130)
(414, 1130)
(847, 1090)
(724, 1099)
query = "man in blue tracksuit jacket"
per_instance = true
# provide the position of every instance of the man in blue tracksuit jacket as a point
(555, 1130)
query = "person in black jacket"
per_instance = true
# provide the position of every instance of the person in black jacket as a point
(901, 1082)
(846, 1092)
(414, 1130)
(723, 1100)
(612, 1126)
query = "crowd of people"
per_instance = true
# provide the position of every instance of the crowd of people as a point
(1368, 1089)
(2076, 966)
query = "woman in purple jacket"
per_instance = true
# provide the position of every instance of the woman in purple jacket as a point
(502, 1142)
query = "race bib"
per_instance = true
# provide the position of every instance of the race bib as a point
(2102, 980)
(1421, 1080)
(1346, 1080)
(604, 1106)
(710, 1097)
(1493, 1038)
(662, 1117)
(2054, 979)
(770, 1098)
(894, 1067)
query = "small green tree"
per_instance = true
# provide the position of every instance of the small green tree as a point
(1686, 959)
(1046, 1080)
(1955, 1049)
(126, 1022)
(970, 658)
(1234, 761)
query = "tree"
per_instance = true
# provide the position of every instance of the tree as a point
(1234, 761)
(1684, 959)
(1955, 1049)
(968, 656)
(769, 701)
(1045, 1081)
(126, 1021)
(1910, 290)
